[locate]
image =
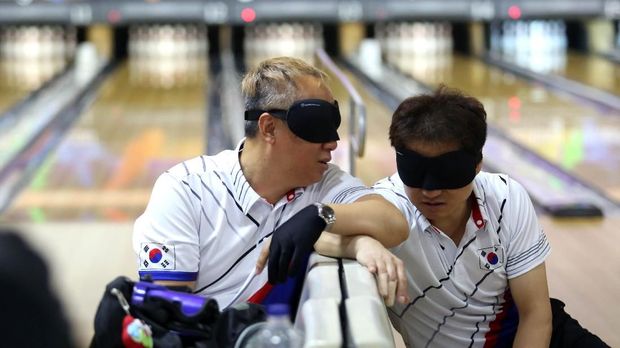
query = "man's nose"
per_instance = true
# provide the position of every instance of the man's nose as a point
(330, 145)
(431, 193)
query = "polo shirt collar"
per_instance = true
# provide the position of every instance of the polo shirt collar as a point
(245, 194)
(291, 196)
(479, 212)
(425, 225)
(479, 215)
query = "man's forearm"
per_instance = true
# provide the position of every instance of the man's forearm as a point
(534, 331)
(531, 297)
(334, 245)
(374, 217)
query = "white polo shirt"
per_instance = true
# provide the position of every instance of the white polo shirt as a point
(205, 223)
(460, 294)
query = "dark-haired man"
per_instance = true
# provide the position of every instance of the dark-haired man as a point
(475, 256)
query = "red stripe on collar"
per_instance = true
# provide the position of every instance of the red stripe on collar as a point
(476, 215)
(290, 195)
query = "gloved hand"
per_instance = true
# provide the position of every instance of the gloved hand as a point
(292, 242)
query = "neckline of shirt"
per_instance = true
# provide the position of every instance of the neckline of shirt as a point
(478, 214)
(245, 193)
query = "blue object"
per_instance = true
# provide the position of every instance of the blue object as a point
(277, 309)
(189, 304)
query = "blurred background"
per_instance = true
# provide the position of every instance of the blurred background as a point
(97, 98)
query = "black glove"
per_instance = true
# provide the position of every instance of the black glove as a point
(292, 242)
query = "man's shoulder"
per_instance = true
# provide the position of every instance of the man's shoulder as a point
(393, 189)
(392, 183)
(334, 173)
(497, 190)
(337, 186)
(498, 184)
(203, 165)
(492, 183)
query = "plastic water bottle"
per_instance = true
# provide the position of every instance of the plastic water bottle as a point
(278, 331)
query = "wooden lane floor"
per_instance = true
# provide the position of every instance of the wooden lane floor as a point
(10, 93)
(589, 69)
(105, 167)
(18, 79)
(593, 70)
(578, 137)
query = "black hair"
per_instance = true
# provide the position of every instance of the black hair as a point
(445, 116)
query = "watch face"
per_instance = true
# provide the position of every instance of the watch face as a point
(327, 213)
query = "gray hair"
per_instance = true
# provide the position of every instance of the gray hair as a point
(271, 85)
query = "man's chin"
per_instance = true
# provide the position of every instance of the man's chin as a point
(432, 212)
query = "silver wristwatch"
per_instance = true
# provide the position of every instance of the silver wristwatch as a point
(326, 213)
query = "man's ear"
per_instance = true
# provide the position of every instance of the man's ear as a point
(479, 167)
(267, 127)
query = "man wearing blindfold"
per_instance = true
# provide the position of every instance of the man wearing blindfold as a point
(475, 256)
(209, 217)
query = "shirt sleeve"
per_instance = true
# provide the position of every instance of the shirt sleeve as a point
(528, 246)
(391, 188)
(165, 236)
(341, 187)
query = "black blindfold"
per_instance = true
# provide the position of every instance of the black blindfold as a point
(313, 120)
(451, 170)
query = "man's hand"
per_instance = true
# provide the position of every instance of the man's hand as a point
(263, 256)
(387, 268)
(292, 242)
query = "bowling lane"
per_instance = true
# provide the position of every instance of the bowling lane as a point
(29, 56)
(581, 139)
(593, 70)
(142, 122)
(589, 69)
(10, 93)
(19, 78)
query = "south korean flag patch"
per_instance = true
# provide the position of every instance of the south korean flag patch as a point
(157, 256)
(491, 257)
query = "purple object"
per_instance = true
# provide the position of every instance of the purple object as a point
(189, 304)
(278, 309)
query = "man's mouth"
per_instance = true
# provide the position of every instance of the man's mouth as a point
(433, 204)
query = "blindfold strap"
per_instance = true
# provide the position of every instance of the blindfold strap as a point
(451, 170)
(253, 115)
